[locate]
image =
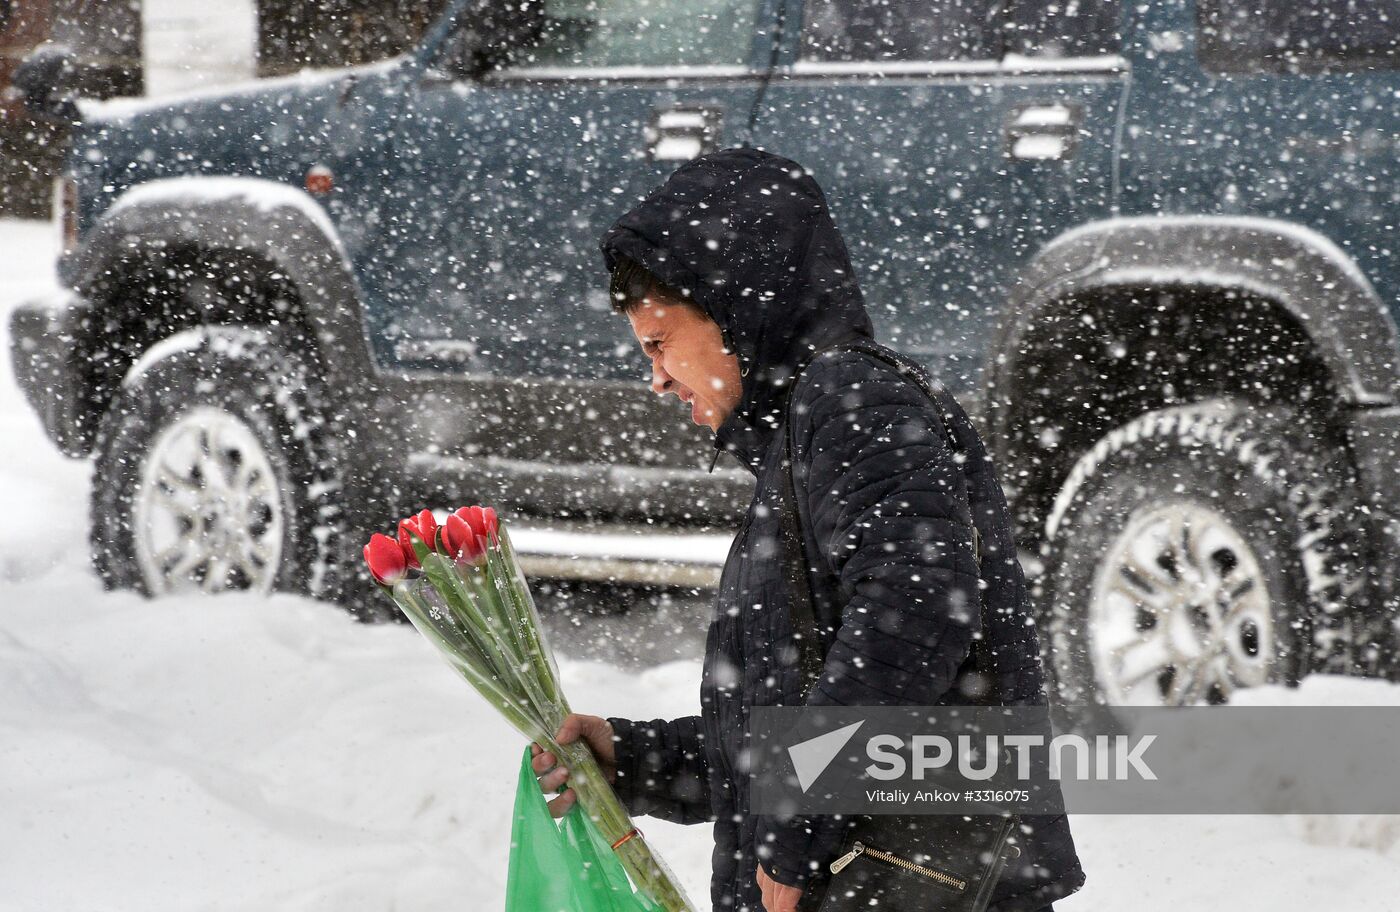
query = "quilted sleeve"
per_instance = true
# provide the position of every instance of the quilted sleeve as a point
(661, 769)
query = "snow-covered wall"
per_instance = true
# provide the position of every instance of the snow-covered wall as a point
(188, 45)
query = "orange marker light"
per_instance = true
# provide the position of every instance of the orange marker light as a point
(319, 180)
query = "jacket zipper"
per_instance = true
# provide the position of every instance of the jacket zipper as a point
(861, 848)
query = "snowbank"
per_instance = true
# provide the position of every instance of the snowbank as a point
(35, 480)
(261, 754)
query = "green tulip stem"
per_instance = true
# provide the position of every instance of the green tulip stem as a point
(529, 614)
(468, 664)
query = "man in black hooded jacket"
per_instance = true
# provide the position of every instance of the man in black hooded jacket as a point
(744, 239)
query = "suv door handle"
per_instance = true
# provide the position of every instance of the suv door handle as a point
(682, 132)
(1043, 132)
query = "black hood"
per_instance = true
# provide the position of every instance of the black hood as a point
(749, 237)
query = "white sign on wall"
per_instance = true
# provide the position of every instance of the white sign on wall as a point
(189, 45)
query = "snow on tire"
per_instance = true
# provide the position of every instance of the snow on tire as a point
(1195, 550)
(216, 469)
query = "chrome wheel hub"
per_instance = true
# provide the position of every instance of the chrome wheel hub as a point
(207, 516)
(1179, 612)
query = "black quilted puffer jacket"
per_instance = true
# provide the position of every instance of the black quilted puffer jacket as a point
(749, 236)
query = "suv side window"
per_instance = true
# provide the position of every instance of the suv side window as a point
(295, 34)
(1296, 36)
(656, 33)
(913, 30)
(1067, 28)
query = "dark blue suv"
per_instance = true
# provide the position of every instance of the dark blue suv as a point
(1149, 244)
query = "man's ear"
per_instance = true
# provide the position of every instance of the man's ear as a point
(728, 339)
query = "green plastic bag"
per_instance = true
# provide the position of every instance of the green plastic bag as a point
(563, 867)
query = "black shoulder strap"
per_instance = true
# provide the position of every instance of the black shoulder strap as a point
(804, 622)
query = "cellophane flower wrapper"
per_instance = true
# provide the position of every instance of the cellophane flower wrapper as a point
(481, 617)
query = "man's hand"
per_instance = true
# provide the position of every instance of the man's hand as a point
(597, 733)
(777, 897)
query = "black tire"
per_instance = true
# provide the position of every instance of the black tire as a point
(254, 375)
(1290, 499)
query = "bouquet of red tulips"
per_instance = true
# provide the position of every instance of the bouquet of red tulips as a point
(458, 582)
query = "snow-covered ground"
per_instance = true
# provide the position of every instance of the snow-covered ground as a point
(268, 753)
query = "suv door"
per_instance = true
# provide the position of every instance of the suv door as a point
(612, 97)
(948, 162)
(504, 183)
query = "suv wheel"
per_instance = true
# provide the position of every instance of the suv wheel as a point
(1194, 551)
(216, 470)
(207, 511)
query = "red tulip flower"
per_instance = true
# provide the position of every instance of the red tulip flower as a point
(428, 529)
(414, 524)
(482, 520)
(461, 539)
(385, 559)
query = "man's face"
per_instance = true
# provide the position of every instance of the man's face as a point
(688, 358)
